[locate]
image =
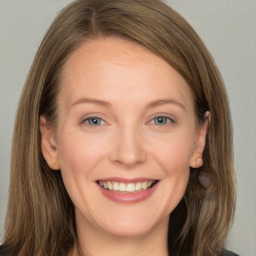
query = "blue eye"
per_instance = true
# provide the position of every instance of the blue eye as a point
(94, 121)
(161, 120)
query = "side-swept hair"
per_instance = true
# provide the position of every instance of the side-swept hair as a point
(40, 218)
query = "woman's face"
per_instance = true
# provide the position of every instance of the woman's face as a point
(125, 139)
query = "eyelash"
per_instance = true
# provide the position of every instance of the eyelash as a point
(93, 118)
(166, 120)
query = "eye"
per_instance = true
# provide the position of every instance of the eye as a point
(162, 120)
(94, 121)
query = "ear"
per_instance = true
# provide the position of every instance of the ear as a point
(196, 160)
(49, 144)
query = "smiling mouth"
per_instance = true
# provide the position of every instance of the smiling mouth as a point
(132, 187)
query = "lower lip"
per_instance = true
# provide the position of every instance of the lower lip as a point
(134, 197)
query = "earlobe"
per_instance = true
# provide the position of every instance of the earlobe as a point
(196, 160)
(49, 144)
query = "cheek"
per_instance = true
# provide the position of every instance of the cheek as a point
(174, 153)
(79, 155)
(175, 162)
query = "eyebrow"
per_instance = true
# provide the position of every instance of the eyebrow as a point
(166, 101)
(92, 101)
(108, 104)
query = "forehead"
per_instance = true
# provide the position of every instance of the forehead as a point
(115, 69)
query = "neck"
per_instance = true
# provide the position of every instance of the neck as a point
(97, 242)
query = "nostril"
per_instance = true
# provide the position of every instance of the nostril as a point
(128, 158)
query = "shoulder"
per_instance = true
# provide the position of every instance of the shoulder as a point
(4, 251)
(225, 253)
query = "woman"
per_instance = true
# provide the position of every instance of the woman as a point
(120, 144)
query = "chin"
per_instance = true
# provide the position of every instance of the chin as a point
(134, 227)
(130, 231)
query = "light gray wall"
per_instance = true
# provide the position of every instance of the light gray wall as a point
(228, 27)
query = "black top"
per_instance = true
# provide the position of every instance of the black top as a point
(226, 253)
(4, 252)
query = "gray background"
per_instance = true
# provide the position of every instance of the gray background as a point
(228, 27)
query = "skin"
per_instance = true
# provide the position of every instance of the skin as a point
(128, 142)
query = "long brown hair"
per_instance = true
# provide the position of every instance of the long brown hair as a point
(40, 217)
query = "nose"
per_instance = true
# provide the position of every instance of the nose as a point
(127, 148)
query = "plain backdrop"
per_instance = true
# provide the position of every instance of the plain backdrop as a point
(228, 28)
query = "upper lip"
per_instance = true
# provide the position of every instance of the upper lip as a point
(127, 180)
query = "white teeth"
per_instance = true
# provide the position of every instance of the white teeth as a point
(109, 185)
(130, 187)
(122, 187)
(115, 186)
(138, 186)
(144, 185)
(125, 187)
